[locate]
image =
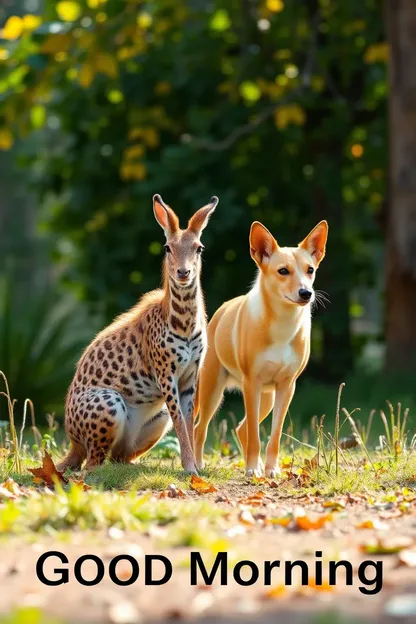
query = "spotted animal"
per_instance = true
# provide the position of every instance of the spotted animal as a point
(139, 375)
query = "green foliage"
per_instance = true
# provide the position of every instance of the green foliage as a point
(279, 108)
(40, 341)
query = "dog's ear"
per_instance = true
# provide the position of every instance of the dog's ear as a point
(262, 243)
(165, 216)
(315, 242)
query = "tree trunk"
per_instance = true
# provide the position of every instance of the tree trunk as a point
(401, 215)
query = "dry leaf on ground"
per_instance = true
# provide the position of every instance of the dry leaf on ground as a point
(386, 546)
(9, 489)
(372, 524)
(308, 524)
(277, 591)
(172, 492)
(48, 473)
(201, 486)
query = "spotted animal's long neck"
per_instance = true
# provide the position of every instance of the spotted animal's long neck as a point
(186, 311)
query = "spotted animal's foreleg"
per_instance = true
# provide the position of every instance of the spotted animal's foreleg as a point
(187, 392)
(171, 396)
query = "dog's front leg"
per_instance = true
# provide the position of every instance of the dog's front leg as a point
(252, 393)
(282, 401)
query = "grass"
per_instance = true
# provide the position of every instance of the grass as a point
(330, 459)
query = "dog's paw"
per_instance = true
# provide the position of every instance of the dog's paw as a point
(253, 473)
(272, 473)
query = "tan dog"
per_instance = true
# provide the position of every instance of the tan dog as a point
(260, 343)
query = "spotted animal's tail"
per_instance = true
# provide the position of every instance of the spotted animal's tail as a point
(73, 459)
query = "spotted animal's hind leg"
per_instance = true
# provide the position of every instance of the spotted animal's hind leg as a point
(100, 424)
(150, 434)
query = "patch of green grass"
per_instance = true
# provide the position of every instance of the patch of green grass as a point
(153, 474)
(75, 508)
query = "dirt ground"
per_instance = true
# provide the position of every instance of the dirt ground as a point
(253, 537)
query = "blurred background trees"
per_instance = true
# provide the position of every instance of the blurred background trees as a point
(278, 107)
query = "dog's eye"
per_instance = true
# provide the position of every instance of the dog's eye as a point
(166, 248)
(200, 249)
(310, 270)
(283, 271)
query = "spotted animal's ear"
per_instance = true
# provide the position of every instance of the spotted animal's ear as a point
(165, 216)
(262, 243)
(200, 219)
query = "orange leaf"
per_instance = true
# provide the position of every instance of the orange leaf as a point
(201, 486)
(324, 586)
(372, 524)
(311, 464)
(48, 472)
(277, 591)
(306, 524)
(284, 521)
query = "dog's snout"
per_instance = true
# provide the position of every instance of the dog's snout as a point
(183, 273)
(305, 294)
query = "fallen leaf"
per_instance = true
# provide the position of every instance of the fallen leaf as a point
(255, 500)
(372, 524)
(277, 591)
(274, 484)
(407, 558)
(386, 546)
(307, 524)
(81, 483)
(172, 492)
(311, 464)
(335, 505)
(10, 489)
(221, 498)
(48, 472)
(201, 486)
(283, 521)
(323, 587)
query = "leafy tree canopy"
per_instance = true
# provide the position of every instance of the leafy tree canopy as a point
(276, 106)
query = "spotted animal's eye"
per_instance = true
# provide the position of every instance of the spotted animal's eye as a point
(283, 271)
(310, 270)
(200, 249)
(166, 248)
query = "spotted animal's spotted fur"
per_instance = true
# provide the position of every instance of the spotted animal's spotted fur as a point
(140, 374)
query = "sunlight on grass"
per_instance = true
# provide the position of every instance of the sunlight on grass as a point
(74, 508)
(153, 474)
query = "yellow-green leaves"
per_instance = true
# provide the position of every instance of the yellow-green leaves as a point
(290, 114)
(13, 28)
(68, 11)
(38, 116)
(250, 91)
(275, 6)
(377, 53)
(16, 26)
(220, 21)
(6, 139)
